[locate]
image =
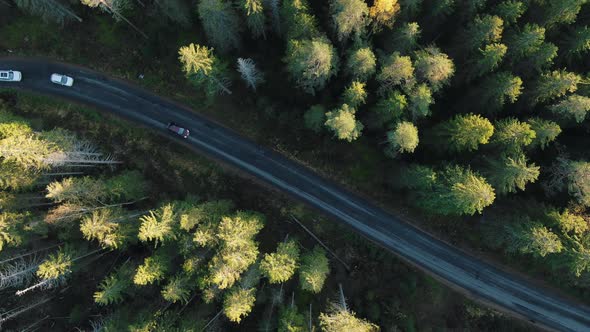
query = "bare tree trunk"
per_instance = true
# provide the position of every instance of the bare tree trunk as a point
(30, 253)
(15, 312)
(342, 298)
(66, 10)
(123, 18)
(212, 320)
(310, 325)
(320, 242)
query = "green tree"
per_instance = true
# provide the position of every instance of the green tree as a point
(483, 30)
(57, 265)
(402, 139)
(420, 101)
(315, 117)
(203, 69)
(560, 11)
(524, 43)
(314, 270)
(361, 64)
(16, 178)
(555, 84)
(576, 43)
(238, 303)
(452, 191)
(546, 132)
(395, 70)
(297, 20)
(488, 60)
(11, 232)
(529, 237)
(341, 319)
(176, 10)
(355, 94)
(349, 17)
(344, 124)
(390, 109)
(542, 58)
(204, 214)
(110, 227)
(508, 174)
(177, 290)
(12, 125)
(114, 287)
(573, 107)
(383, 13)
(32, 152)
(465, 132)
(153, 269)
(510, 11)
(497, 90)
(513, 135)
(311, 63)
(569, 222)
(573, 176)
(290, 320)
(254, 11)
(159, 226)
(405, 38)
(82, 190)
(280, 266)
(434, 67)
(221, 24)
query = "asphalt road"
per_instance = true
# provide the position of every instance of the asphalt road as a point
(463, 272)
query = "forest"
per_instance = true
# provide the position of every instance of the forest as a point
(467, 116)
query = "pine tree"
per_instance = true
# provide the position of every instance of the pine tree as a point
(508, 174)
(555, 84)
(177, 290)
(280, 266)
(513, 135)
(573, 107)
(349, 17)
(82, 190)
(434, 67)
(314, 270)
(16, 178)
(510, 11)
(573, 176)
(577, 43)
(315, 117)
(405, 38)
(343, 123)
(560, 11)
(488, 60)
(546, 132)
(176, 11)
(529, 237)
(159, 226)
(355, 94)
(298, 22)
(465, 132)
(114, 287)
(203, 69)
(483, 30)
(255, 19)
(402, 139)
(11, 232)
(238, 303)
(206, 214)
(420, 99)
(361, 64)
(341, 319)
(111, 227)
(153, 269)
(290, 320)
(497, 90)
(221, 24)
(57, 265)
(311, 63)
(391, 109)
(569, 222)
(525, 42)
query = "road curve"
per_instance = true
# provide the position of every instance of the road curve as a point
(473, 277)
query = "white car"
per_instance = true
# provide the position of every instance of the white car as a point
(62, 79)
(10, 76)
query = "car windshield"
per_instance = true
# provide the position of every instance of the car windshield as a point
(64, 80)
(3, 74)
(180, 131)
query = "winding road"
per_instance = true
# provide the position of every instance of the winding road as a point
(471, 276)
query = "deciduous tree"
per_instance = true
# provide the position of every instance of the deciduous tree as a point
(314, 270)
(343, 123)
(402, 139)
(315, 117)
(355, 94)
(280, 266)
(396, 70)
(420, 99)
(349, 17)
(383, 13)
(361, 63)
(311, 63)
(434, 67)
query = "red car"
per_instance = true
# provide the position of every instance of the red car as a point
(173, 127)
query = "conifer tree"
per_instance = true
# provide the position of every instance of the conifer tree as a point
(238, 303)
(545, 132)
(529, 237)
(114, 287)
(405, 38)
(255, 19)
(50, 11)
(315, 117)
(483, 30)
(153, 269)
(497, 90)
(203, 69)
(525, 42)
(509, 11)
(555, 84)
(573, 107)
(177, 290)
(420, 99)
(159, 226)
(314, 270)
(390, 109)
(513, 135)
(280, 266)
(465, 132)
(341, 319)
(488, 59)
(508, 174)
(355, 94)
(220, 23)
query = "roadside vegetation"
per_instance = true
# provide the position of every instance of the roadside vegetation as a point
(467, 115)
